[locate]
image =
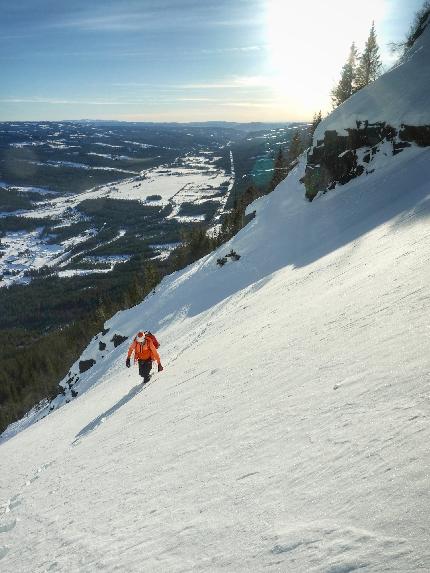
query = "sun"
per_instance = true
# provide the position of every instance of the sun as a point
(308, 43)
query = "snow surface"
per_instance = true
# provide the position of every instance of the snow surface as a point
(21, 189)
(106, 144)
(75, 165)
(199, 178)
(289, 429)
(142, 145)
(25, 250)
(21, 251)
(401, 96)
(180, 183)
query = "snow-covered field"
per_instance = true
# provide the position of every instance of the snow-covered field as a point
(24, 250)
(198, 179)
(32, 250)
(289, 430)
(21, 189)
(195, 180)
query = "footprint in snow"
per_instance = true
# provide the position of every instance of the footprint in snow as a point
(9, 506)
(247, 476)
(3, 551)
(5, 527)
(8, 526)
(39, 470)
(15, 501)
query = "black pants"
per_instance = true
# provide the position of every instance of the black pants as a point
(145, 370)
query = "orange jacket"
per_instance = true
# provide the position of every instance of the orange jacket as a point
(144, 351)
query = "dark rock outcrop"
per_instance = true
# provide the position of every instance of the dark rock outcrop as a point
(418, 134)
(117, 339)
(334, 159)
(85, 365)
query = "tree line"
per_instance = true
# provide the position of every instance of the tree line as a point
(359, 70)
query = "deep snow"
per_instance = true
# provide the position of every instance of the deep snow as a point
(289, 429)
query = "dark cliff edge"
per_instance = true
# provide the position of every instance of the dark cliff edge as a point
(334, 159)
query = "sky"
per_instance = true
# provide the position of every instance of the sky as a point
(183, 60)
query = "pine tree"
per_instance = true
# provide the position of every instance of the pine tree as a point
(279, 170)
(152, 277)
(369, 67)
(316, 120)
(345, 87)
(135, 291)
(235, 219)
(101, 311)
(296, 147)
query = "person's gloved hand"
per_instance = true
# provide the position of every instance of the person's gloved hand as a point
(160, 368)
(127, 362)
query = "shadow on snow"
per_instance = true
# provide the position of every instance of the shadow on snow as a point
(289, 232)
(102, 417)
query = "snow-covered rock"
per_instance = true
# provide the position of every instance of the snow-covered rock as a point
(389, 115)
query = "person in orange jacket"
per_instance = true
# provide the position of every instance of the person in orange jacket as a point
(144, 354)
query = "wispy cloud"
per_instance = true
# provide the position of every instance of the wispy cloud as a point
(138, 15)
(238, 22)
(227, 103)
(54, 101)
(199, 99)
(236, 83)
(146, 86)
(260, 104)
(239, 82)
(8, 37)
(233, 49)
(104, 22)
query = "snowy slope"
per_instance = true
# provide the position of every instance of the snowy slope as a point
(401, 96)
(289, 430)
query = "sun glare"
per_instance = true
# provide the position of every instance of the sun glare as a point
(308, 44)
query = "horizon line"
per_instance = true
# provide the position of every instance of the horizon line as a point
(90, 120)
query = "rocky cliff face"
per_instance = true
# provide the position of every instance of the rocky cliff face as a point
(385, 117)
(336, 159)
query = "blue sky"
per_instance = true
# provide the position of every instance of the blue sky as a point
(183, 60)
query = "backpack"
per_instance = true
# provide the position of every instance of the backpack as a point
(153, 339)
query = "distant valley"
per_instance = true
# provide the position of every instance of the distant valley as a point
(64, 187)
